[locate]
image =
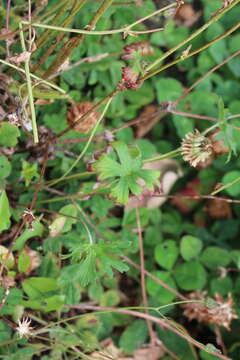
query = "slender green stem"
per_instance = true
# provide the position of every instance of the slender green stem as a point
(78, 196)
(87, 144)
(191, 37)
(29, 86)
(226, 186)
(152, 14)
(34, 76)
(91, 241)
(204, 47)
(70, 177)
(107, 32)
(164, 156)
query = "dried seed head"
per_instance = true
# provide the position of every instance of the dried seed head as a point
(196, 148)
(130, 79)
(144, 48)
(75, 113)
(29, 218)
(23, 328)
(221, 313)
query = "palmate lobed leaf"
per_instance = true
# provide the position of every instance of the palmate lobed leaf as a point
(128, 169)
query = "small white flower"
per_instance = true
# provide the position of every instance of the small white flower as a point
(23, 328)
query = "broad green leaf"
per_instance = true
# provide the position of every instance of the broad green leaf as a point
(227, 133)
(63, 224)
(166, 254)
(85, 271)
(133, 336)
(38, 229)
(168, 89)
(87, 321)
(72, 293)
(110, 298)
(235, 256)
(5, 332)
(24, 261)
(107, 167)
(228, 178)
(213, 257)
(56, 227)
(190, 247)
(109, 262)
(158, 292)
(183, 125)
(69, 273)
(234, 64)
(8, 134)
(36, 287)
(5, 167)
(95, 291)
(29, 171)
(179, 346)
(72, 211)
(190, 276)
(47, 304)
(221, 286)
(4, 212)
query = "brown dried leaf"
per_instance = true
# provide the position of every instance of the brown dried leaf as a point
(23, 57)
(79, 109)
(218, 209)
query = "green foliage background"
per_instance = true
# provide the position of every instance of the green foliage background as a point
(81, 239)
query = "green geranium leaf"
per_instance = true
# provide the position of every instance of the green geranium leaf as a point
(134, 336)
(127, 169)
(110, 298)
(36, 287)
(228, 178)
(5, 167)
(24, 261)
(4, 212)
(168, 89)
(8, 134)
(29, 172)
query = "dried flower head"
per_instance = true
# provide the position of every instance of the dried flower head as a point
(23, 328)
(196, 148)
(130, 79)
(75, 113)
(29, 218)
(220, 312)
(143, 48)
